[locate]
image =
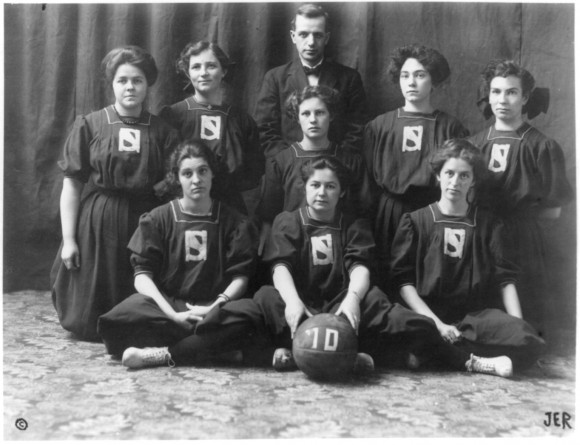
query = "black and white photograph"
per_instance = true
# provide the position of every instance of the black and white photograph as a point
(336, 220)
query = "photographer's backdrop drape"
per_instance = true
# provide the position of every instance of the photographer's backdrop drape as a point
(53, 53)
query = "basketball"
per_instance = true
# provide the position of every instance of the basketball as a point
(325, 347)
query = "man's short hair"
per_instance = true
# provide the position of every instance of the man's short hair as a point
(311, 11)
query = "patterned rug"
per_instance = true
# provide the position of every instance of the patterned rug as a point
(58, 388)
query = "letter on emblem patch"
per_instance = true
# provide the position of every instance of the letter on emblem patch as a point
(412, 138)
(195, 245)
(454, 241)
(129, 139)
(210, 127)
(498, 159)
(322, 250)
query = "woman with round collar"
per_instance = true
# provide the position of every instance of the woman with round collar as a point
(399, 143)
(528, 184)
(230, 132)
(120, 152)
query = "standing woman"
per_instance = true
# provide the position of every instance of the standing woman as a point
(399, 143)
(120, 151)
(229, 132)
(528, 177)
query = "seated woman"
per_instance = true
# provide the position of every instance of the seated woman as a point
(320, 259)
(448, 261)
(313, 108)
(190, 256)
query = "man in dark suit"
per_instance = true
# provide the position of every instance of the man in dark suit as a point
(310, 33)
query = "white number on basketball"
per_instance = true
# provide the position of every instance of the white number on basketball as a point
(330, 339)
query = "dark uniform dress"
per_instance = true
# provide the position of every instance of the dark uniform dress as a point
(232, 135)
(398, 147)
(284, 188)
(320, 257)
(191, 259)
(121, 162)
(527, 176)
(458, 266)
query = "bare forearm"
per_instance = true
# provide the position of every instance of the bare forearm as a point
(511, 300)
(284, 284)
(70, 199)
(144, 285)
(359, 281)
(416, 303)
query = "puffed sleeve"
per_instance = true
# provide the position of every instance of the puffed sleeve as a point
(76, 156)
(283, 244)
(505, 269)
(242, 249)
(168, 114)
(249, 176)
(361, 196)
(551, 168)
(369, 142)
(167, 189)
(272, 196)
(146, 246)
(359, 248)
(404, 253)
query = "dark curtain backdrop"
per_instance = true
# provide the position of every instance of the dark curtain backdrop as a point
(52, 57)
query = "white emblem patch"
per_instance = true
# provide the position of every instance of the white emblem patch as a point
(210, 127)
(322, 250)
(129, 139)
(412, 138)
(454, 242)
(498, 159)
(195, 245)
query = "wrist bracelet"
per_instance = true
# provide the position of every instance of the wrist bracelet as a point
(225, 297)
(355, 293)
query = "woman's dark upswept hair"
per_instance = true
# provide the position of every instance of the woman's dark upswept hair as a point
(320, 162)
(465, 150)
(196, 48)
(326, 94)
(132, 55)
(431, 59)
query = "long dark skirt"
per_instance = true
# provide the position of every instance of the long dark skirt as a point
(105, 224)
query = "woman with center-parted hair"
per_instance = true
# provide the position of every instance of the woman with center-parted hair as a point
(112, 160)
(228, 131)
(451, 263)
(398, 144)
(191, 256)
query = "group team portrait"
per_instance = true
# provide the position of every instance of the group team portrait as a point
(358, 198)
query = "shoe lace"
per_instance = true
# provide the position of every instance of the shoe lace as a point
(479, 364)
(155, 356)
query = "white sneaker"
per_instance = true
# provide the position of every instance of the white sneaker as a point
(364, 364)
(500, 366)
(283, 360)
(135, 358)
